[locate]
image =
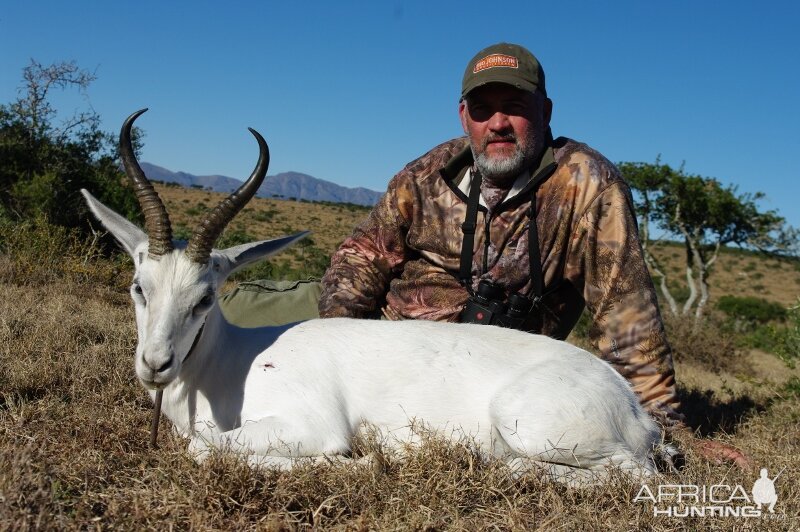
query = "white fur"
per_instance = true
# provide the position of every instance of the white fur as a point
(304, 390)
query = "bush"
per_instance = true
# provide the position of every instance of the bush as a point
(581, 329)
(751, 310)
(265, 216)
(181, 232)
(196, 210)
(701, 343)
(792, 387)
(45, 160)
(763, 337)
(787, 340)
(234, 237)
(679, 291)
(37, 252)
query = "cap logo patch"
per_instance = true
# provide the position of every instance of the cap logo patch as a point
(496, 60)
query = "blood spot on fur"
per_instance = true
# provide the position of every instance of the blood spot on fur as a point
(269, 365)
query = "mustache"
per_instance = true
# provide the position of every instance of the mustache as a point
(509, 137)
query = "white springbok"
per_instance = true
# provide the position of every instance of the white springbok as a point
(277, 394)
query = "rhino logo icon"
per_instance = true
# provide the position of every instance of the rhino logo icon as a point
(764, 490)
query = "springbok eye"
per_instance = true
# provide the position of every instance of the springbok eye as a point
(204, 304)
(138, 293)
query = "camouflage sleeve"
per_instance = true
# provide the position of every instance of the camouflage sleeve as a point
(627, 327)
(356, 282)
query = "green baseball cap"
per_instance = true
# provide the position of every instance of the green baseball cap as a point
(506, 63)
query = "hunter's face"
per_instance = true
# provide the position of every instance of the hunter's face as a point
(506, 128)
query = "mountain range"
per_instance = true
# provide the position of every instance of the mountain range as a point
(288, 185)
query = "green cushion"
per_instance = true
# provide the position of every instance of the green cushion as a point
(266, 302)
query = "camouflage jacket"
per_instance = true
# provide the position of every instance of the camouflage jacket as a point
(403, 260)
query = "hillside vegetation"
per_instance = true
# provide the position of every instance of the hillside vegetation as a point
(739, 273)
(265, 218)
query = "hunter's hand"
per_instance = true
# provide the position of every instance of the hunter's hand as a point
(720, 453)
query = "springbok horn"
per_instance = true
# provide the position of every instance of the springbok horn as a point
(207, 232)
(156, 219)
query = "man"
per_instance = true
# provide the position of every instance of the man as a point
(553, 221)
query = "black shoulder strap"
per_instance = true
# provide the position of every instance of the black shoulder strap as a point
(534, 255)
(468, 228)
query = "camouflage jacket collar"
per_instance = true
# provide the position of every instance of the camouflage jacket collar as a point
(454, 172)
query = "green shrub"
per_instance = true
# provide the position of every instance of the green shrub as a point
(234, 237)
(787, 339)
(763, 337)
(581, 329)
(181, 232)
(315, 261)
(265, 216)
(195, 211)
(751, 310)
(679, 291)
(792, 387)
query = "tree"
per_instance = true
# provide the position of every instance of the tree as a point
(44, 161)
(706, 216)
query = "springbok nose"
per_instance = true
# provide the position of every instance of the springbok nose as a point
(160, 361)
(165, 366)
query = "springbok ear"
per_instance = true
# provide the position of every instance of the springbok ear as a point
(123, 230)
(244, 254)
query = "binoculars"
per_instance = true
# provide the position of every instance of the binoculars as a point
(489, 306)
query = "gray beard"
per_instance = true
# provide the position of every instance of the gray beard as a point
(501, 171)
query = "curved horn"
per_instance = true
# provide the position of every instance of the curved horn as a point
(207, 232)
(156, 219)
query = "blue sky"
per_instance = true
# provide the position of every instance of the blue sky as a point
(351, 91)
